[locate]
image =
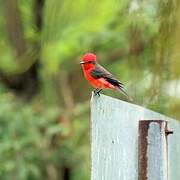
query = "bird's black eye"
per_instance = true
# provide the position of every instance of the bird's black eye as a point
(89, 62)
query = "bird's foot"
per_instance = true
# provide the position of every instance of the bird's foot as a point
(97, 92)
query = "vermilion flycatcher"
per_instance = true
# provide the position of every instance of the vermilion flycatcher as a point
(99, 77)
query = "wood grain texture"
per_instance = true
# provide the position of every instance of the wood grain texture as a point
(157, 152)
(114, 139)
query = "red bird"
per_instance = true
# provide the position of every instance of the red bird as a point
(99, 77)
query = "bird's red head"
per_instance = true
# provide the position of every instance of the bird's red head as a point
(88, 58)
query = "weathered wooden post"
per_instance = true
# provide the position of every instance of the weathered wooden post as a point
(114, 141)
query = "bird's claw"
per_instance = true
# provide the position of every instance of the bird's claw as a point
(97, 92)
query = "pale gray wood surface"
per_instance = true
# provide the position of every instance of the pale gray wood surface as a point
(156, 153)
(114, 136)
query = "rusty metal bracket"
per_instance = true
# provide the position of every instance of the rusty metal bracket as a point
(152, 150)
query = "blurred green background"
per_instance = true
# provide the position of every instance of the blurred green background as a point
(44, 99)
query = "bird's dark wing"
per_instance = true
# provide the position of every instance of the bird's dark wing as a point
(100, 72)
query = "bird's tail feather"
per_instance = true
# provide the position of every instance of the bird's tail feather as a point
(121, 90)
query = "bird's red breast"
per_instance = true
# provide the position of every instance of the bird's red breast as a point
(97, 83)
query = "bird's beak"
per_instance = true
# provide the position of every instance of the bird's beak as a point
(82, 62)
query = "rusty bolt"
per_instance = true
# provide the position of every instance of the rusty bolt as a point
(168, 132)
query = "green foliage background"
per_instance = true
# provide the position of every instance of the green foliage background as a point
(44, 99)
